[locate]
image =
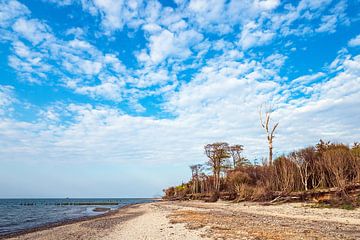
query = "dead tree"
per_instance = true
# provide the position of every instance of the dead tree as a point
(270, 130)
(217, 154)
(303, 165)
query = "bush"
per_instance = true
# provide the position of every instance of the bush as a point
(324, 166)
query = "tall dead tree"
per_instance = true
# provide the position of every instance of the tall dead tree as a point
(217, 154)
(270, 130)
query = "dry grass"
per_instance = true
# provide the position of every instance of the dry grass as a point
(222, 224)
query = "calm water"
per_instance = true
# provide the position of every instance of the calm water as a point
(21, 214)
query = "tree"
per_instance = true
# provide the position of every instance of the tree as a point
(217, 154)
(195, 170)
(235, 152)
(302, 160)
(270, 130)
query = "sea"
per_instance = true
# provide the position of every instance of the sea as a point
(18, 215)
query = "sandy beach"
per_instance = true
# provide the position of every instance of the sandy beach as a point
(221, 220)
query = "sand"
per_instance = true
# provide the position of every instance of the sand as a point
(154, 224)
(221, 220)
(144, 221)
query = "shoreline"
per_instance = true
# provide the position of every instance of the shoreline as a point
(48, 226)
(196, 220)
(60, 223)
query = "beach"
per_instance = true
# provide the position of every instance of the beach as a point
(220, 220)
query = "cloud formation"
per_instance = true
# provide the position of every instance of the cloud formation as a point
(145, 82)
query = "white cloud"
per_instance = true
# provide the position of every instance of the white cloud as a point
(161, 46)
(337, 16)
(207, 11)
(222, 16)
(109, 89)
(152, 28)
(168, 44)
(252, 35)
(307, 78)
(28, 63)
(221, 104)
(115, 14)
(328, 24)
(6, 99)
(61, 2)
(76, 32)
(78, 65)
(32, 30)
(38, 56)
(275, 60)
(11, 10)
(354, 42)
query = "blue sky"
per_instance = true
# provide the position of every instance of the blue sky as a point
(110, 98)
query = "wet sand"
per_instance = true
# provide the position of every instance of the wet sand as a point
(221, 220)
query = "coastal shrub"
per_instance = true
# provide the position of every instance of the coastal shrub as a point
(169, 192)
(303, 172)
(236, 178)
(341, 166)
(244, 192)
(182, 190)
(284, 175)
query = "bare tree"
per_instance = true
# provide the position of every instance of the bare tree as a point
(270, 130)
(302, 162)
(217, 154)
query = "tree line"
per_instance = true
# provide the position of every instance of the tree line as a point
(326, 165)
(226, 172)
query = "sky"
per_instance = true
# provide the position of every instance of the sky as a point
(116, 98)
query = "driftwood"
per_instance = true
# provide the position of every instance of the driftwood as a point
(318, 195)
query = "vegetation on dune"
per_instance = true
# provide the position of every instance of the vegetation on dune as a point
(331, 166)
(328, 172)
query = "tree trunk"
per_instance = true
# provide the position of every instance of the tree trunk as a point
(270, 155)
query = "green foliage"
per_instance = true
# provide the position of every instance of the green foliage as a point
(347, 206)
(181, 187)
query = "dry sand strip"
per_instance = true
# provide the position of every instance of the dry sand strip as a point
(221, 220)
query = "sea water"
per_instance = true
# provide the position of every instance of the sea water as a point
(17, 215)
